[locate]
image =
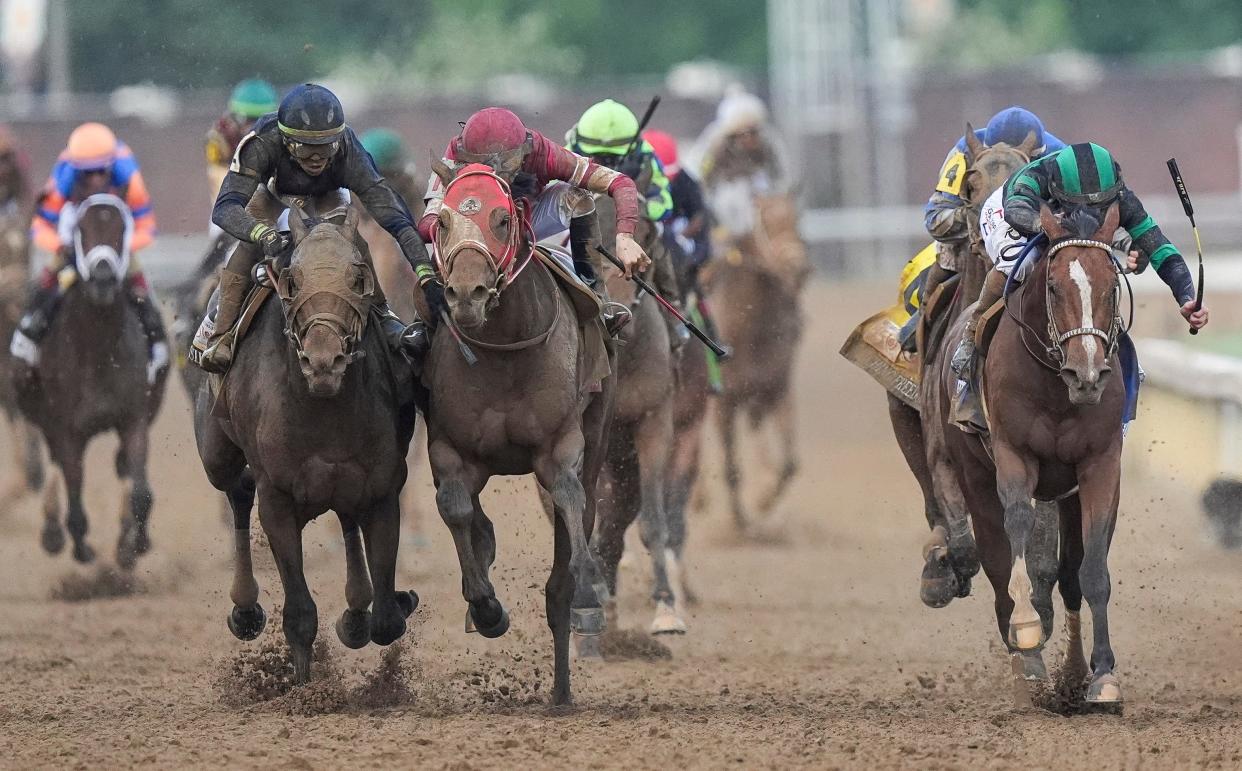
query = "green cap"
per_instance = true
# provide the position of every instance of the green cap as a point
(385, 147)
(606, 128)
(253, 98)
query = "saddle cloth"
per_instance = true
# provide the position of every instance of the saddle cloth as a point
(587, 307)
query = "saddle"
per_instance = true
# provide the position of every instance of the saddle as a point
(254, 301)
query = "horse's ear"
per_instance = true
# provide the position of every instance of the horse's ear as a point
(973, 146)
(297, 223)
(349, 228)
(1029, 144)
(1109, 228)
(1049, 223)
(442, 170)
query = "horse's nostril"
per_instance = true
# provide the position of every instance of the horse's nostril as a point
(478, 294)
(450, 294)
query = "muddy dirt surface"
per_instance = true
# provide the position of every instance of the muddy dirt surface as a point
(811, 649)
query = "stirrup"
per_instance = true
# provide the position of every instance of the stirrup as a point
(213, 360)
(616, 317)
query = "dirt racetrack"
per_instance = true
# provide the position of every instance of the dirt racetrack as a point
(812, 651)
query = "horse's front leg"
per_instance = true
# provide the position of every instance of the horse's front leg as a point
(71, 467)
(279, 516)
(654, 439)
(1016, 477)
(353, 628)
(247, 618)
(1099, 491)
(136, 509)
(390, 607)
(458, 483)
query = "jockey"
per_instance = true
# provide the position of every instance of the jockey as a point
(251, 99)
(306, 150)
(94, 161)
(945, 215)
(604, 133)
(740, 145)
(1081, 175)
(388, 152)
(528, 161)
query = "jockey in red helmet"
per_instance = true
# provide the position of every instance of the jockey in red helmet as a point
(529, 161)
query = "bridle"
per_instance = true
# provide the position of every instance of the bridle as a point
(507, 264)
(1053, 355)
(85, 260)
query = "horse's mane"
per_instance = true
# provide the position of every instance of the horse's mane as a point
(1081, 221)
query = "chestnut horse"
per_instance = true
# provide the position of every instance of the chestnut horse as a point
(1055, 416)
(539, 398)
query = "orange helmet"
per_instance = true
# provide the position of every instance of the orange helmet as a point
(91, 146)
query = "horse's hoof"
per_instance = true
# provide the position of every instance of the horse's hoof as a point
(52, 539)
(247, 623)
(938, 585)
(587, 621)
(1030, 666)
(667, 621)
(1104, 690)
(492, 630)
(353, 628)
(408, 602)
(1026, 635)
(963, 587)
(82, 552)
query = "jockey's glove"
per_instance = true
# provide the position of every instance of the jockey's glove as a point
(433, 293)
(274, 242)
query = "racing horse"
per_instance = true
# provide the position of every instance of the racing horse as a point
(1055, 415)
(536, 395)
(950, 558)
(314, 415)
(14, 277)
(756, 291)
(642, 440)
(93, 377)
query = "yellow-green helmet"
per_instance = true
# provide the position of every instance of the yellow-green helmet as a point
(606, 128)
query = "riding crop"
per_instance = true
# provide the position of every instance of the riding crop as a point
(1176, 173)
(668, 307)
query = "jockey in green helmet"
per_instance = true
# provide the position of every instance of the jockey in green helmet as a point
(604, 133)
(388, 151)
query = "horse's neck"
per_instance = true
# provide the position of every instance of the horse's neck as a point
(525, 309)
(1034, 300)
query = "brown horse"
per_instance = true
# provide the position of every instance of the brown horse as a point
(92, 378)
(642, 439)
(1055, 417)
(756, 291)
(536, 400)
(315, 414)
(950, 558)
(14, 276)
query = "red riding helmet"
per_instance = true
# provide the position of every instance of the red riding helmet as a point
(496, 137)
(665, 148)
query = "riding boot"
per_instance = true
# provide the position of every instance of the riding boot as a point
(152, 327)
(583, 237)
(233, 289)
(968, 409)
(27, 338)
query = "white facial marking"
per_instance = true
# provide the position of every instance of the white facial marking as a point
(1080, 277)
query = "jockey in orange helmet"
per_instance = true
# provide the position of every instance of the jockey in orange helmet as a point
(94, 161)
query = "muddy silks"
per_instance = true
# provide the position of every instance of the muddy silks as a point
(874, 345)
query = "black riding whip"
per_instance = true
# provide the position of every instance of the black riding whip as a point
(1176, 173)
(668, 307)
(642, 124)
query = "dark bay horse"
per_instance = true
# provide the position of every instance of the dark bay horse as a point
(950, 559)
(1055, 413)
(92, 378)
(537, 400)
(756, 291)
(315, 414)
(27, 476)
(641, 443)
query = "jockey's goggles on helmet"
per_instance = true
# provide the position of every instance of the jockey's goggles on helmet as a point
(304, 151)
(504, 162)
(1098, 198)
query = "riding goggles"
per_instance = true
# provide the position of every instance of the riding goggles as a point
(303, 151)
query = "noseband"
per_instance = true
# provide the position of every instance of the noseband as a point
(85, 260)
(1055, 349)
(348, 324)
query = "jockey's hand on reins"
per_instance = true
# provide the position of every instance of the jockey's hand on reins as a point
(274, 242)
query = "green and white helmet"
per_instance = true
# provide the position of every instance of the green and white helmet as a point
(1085, 174)
(606, 128)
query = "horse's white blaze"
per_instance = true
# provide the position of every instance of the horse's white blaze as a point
(1083, 281)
